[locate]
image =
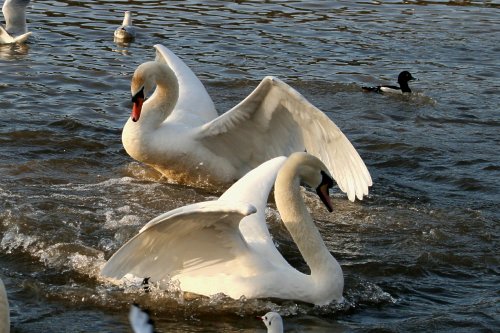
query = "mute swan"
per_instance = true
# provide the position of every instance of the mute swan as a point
(273, 322)
(126, 31)
(4, 310)
(14, 13)
(178, 132)
(208, 249)
(403, 78)
(140, 320)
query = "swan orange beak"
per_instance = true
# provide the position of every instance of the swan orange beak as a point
(322, 191)
(137, 100)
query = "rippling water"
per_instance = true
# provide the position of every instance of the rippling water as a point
(419, 254)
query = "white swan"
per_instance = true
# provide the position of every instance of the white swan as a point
(126, 31)
(15, 30)
(178, 131)
(208, 249)
(273, 322)
(4, 310)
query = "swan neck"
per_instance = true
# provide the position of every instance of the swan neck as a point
(300, 224)
(161, 104)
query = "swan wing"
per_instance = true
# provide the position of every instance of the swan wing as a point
(186, 239)
(14, 13)
(254, 188)
(194, 103)
(276, 120)
(256, 185)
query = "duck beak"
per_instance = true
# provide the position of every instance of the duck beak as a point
(322, 191)
(137, 100)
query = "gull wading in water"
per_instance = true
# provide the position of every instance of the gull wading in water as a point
(14, 14)
(126, 32)
(224, 246)
(273, 322)
(178, 131)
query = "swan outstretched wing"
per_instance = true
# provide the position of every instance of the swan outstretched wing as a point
(184, 239)
(14, 13)
(255, 188)
(194, 102)
(276, 120)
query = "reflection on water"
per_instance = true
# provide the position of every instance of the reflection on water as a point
(419, 254)
(13, 51)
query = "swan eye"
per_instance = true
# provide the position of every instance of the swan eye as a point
(138, 95)
(326, 179)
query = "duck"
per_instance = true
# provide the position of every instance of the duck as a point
(126, 32)
(178, 131)
(4, 310)
(140, 319)
(403, 78)
(224, 245)
(273, 322)
(15, 30)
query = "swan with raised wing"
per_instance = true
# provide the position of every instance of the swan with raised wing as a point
(224, 246)
(178, 131)
(15, 30)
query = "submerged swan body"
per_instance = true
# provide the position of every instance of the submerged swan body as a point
(178, 131)
(15, 30)
(224, 246)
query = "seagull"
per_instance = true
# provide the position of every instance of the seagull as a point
(273, 322)
(15, 30)
(126, 31)
(140, 320)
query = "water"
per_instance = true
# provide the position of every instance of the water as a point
(419, 254)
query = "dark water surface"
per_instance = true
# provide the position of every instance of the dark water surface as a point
(419, 254)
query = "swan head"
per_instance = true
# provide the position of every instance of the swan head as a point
(143, 83)
(273, 322)
(315, 174)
